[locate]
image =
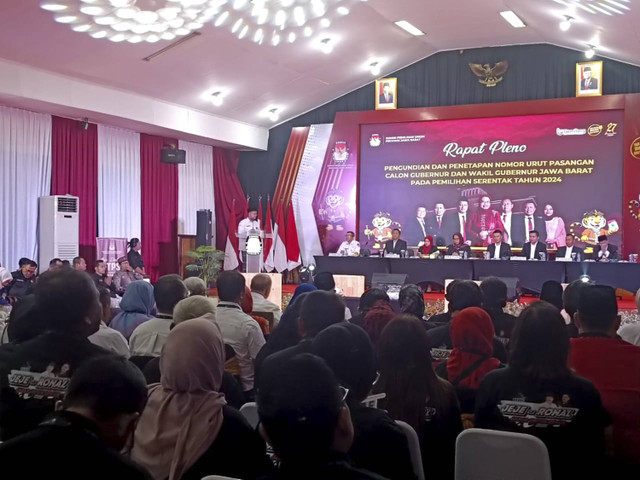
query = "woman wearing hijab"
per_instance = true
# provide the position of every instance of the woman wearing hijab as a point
(411, 301)
(428, 248)
(552, 292)
(302, 288)
(136, 307)
(472, 357)
(376, 319)
(367, 301)
(458, 247)
(186, 430)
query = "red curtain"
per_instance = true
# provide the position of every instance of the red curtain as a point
(74, 171)
(227, 188)
(159, 188)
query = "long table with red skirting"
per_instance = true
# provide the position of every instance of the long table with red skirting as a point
(531, 274)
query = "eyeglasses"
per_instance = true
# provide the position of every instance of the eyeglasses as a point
(343, 393)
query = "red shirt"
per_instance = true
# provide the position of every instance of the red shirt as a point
(613, 365)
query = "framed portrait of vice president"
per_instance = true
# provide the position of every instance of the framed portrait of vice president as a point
(387, 94)
(588, 79)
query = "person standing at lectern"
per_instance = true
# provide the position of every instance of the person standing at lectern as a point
(395, 245)
(245, 226)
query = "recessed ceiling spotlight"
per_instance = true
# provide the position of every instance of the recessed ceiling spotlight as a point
(407, 27)
(374, 68)
(343, 10)
(514, 20)
(216, 98)
(590, 52)
(566, 23)
(53, 7)
(326, 45)
(273, 115)
(66, 19)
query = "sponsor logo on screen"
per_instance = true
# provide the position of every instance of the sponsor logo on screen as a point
(635, 148)
(375, 140)
(611, 130)
(595, 130)
(564, 132)
(340, 152)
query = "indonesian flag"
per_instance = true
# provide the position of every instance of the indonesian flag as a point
(293, 247)
(231, 251)
(279, 243)
(268, 241)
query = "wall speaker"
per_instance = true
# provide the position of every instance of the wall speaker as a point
(204, 228)
(173, 155)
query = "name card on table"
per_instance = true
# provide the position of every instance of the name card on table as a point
(519, 259)
(452, 257)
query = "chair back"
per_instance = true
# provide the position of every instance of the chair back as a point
(250, 412)
(372, 400)
(268, 316)
(140, 361)
(218, 477)
(494, 455)
(414, 448)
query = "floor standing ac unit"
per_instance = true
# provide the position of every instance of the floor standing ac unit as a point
(59, 228)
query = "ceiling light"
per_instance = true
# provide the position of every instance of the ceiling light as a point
(291, 38)
(92, 10)
(407, 27)
(325, 23)
(126, 13)
(99, 34)
(216, 98)
(168, 13)
(308, 31)
(120, 3)
(280, 18)
(135, 39)
(275, 39)
(566, 23)
(106, 20)
(182, 31)
(146, 17)
(53, 7)
(153, 38)
(122, 26)
(221, 19)
(273, 115)
(243, 32)
(82, 28)
(374, 68)
(590, 52)
(326, 45)
(606, 7)
(66, 19)
(118, 37)
(236, 25)
(258, 36)
(140, 29)
(168, 36)
(513, 19)
(343, 10)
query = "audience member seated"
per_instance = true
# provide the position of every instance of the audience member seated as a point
(24, 322)
(367, 300)
(79, 263)
(395, 245)
(631, 332)
(99, 275)
(23, 279)
(260, 291)
(83, 439)
(5, 284)
(247, 307)
(300, 289)
(428, 248)
(411, 301)
(186, 431)
(445, 317)
(604, 251)
(196, 286)
(376, 319)
(613, 365)
(570, 299)
(239, 330)
(552, 293)
(303, 415)
(416, 395)
(55, 264)
(148, 338)
(136, 308)
(539, 395)
(325, 281)
(68, 310)
(124, 277)
(494, 299)
(107, 337)
(379, 444)
(458, 248)
(472, 357)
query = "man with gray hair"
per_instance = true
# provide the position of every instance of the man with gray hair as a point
(196, 286)
(260, 290)
(195, 306)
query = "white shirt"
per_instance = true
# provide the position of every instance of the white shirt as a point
(462, 217)
(243, 334)
(149, 337)
(496, 253)
(111, 340)
(506, 221)
(244, 227)
(603, 253)
(568, 253)
(261, 304)
(532, 255)
(349, 249)
(630, 333)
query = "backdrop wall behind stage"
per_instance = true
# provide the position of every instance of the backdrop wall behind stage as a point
(569, 165)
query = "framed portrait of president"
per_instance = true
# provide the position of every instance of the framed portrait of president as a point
(387, 94)
(588, 79)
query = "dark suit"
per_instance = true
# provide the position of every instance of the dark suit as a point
(381, 99)
(520, 233)
(562, 252)
(540, 248)
(414, 232)
(593, 84)
(438, 230)
(452, 225)
(505, 250)
(612, 249)
(400, 245)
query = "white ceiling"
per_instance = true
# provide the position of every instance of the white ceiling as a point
(298, 77)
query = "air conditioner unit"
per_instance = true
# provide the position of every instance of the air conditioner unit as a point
(59, 228)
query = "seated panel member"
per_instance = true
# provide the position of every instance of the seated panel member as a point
(533, 248)
(395, 245)
(458, 247)
(350, 247)
(428, 247)
(570, 250)
(498, 249)
(604, 251)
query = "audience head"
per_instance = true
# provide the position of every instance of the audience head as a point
(395, 234)
(472, 331)
(571, 296)
(135, 244)
(168, 291)
(66, 263)
(287, 332)
(55, 264)
(111, 392)
(300, 289)
(100, 267)
(552, 292)
(324, 281)
(193, 307)
(494, 293)
(105, 303)
(302, 411)
(598, 310)
(29, 269)
(69, 301)
(348, 352)
(319, 310)
(80, 263)
(25, 321)
(638, 299)
(371, 296)
(261, 284)
(138, 297)
(540, 343)
(464, 294)
(411, 300)
(23, 261)
(376, 319)
(196, 286)
(5, 277)
(230, 285)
